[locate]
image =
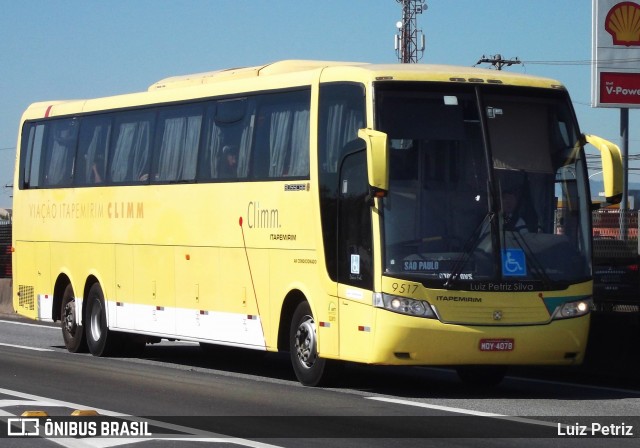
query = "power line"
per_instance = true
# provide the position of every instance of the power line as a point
(498, 62)
(585, 62)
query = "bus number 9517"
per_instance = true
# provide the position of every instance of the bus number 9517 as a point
(404, 288)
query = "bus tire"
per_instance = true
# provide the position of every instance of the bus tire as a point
(72, 331)
(310, 369)
(483, 377)
(101, 341)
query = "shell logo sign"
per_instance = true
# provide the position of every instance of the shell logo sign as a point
(623, 23)
(615, 79)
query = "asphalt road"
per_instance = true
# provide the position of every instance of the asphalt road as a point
(234, 397)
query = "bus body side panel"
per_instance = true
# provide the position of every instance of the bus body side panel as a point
(153, 289)
(122, 311)
(297, 271)
(197, 277)
(357, 324)
(240, 301)
(32, 290)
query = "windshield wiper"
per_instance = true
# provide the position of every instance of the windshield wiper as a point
(469, 247)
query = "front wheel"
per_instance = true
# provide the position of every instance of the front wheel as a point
(72, 331)
(101, 341)
(310, 369)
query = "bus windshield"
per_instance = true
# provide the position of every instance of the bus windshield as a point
(487, 187)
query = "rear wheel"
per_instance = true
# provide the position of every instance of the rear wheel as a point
(72, 331)
(101, 341)
(310, 369)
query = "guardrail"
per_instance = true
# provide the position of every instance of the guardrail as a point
(615, 234)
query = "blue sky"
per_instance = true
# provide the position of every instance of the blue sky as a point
(63, 49)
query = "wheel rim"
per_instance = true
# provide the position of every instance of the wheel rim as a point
(96, 321)
(305, 342)
(70, 318)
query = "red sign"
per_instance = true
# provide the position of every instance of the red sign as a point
(620, 88)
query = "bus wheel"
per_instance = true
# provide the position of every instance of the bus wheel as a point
(482, 376)
(101, 341)
(310, 369)
(72, 332)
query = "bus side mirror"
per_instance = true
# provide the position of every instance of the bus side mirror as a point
(611, 167)
(377, 160)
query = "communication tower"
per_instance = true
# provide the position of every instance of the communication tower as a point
(409, 41)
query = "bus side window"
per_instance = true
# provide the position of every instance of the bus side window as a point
(178, 140)
(230, 127)
(32, 149)
(62, 136)
(297, 162)
(93, 142)
(282, 136)
(131, 146)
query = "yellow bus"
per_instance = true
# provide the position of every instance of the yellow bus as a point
(379, 214)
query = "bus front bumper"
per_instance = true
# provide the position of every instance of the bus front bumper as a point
(405, 340)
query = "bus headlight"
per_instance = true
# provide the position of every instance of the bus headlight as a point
(573, 309)
(403, 305)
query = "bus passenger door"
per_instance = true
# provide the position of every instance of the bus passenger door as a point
(355, 259)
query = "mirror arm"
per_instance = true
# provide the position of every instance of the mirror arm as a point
(373, 194)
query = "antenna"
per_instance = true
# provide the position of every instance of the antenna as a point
(410, 41)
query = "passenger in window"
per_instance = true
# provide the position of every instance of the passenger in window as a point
(95, 175)
(512, 221)
(229, 166)
(96, 170)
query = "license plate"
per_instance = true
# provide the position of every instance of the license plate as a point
(496, 345)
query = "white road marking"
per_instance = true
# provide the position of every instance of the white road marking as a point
(582, 386)
(463, 411)
(27, 348)
(551, 382)
(29, 325)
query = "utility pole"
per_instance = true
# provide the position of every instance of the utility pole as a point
(409, 41)
(498, 62)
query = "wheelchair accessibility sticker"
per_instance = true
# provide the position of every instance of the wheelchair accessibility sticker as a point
(514, 263)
